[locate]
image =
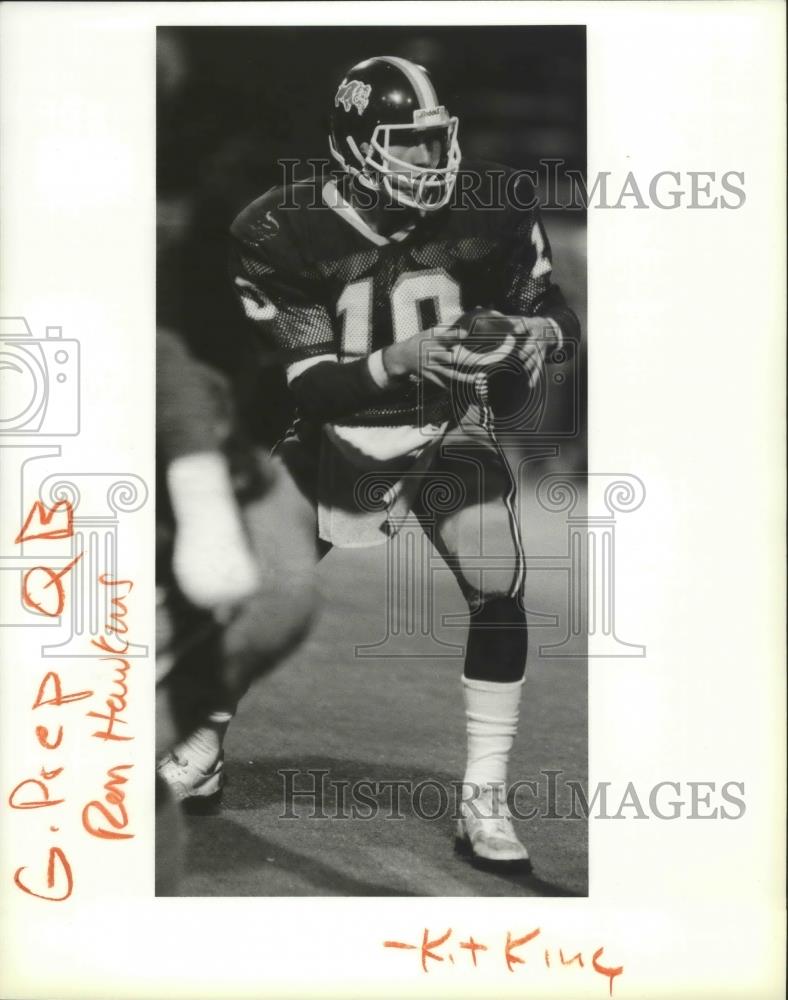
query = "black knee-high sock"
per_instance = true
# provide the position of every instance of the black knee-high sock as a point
(497, 641)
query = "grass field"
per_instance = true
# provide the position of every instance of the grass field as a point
(391, 718)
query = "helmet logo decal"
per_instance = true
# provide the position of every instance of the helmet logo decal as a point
(353, 94)
(268, 226)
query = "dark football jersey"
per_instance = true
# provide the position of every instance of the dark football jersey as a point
(311, 271)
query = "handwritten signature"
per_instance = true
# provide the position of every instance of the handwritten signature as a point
(508, 951)
(107, 818)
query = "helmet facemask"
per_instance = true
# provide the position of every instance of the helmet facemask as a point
(423, 188)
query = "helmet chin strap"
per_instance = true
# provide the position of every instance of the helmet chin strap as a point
(416, 200)
(417, 197)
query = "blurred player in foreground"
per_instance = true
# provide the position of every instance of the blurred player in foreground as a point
(232, 599)
(375, 283)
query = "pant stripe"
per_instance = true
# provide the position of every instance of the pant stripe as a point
(290, 434)
(510, 499)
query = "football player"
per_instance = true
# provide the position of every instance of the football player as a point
(369, 279)
(232, 600)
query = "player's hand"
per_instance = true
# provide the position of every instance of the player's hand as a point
(427, 354)
(489, 340)
(212, 561)
(537, 341)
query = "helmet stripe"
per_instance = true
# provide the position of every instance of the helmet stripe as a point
(417, 78)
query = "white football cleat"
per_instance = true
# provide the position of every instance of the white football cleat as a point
(486, 833)
(191, 780)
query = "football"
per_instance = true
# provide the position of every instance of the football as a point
(490, 343)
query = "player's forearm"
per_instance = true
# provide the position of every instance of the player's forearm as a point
(330, 390)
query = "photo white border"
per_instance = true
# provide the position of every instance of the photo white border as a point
(686, 367)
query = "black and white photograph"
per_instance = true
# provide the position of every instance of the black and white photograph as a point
(392, 516)
(371, 303)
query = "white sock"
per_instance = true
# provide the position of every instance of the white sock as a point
(492, 713)
(205, 742)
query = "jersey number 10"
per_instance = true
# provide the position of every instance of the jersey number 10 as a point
(411, 292)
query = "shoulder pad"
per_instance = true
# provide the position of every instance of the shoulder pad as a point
(259, 220)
